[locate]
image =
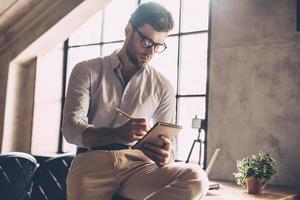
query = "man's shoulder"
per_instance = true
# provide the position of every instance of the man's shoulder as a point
(159, 76)
(160, 79)
(95, 63)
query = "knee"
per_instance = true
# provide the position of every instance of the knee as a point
(199, 183)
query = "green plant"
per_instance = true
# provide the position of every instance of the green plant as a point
(261, 167)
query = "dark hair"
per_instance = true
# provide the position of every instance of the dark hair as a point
(153, 14)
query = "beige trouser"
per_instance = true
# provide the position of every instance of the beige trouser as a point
(98, 175)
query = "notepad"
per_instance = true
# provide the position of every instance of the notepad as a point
(159, 129)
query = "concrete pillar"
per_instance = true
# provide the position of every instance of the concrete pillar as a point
(3, 86)
(19, 107)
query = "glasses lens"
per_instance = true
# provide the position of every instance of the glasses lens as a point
(159, 48)
(146, 43)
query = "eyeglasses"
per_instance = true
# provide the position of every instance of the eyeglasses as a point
(148, 43)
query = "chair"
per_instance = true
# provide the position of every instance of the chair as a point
(16, 172)
(49, 181)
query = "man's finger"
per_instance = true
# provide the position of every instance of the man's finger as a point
(150, 154)
(153, 156)
(141, 126)
(139, 120)
(157, 150)
(166, 143)
(139, 132)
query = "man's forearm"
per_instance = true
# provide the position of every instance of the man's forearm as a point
(131, 131)
(93, 136)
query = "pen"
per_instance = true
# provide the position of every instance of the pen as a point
(123, 113)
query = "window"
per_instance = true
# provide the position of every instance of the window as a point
(184, 62)
(47, 105)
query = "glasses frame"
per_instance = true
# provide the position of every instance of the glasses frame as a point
(148, 40)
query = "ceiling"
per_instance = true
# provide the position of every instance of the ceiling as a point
(5, 5)
(12, 10)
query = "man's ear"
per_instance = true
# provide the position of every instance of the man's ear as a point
(128, 30)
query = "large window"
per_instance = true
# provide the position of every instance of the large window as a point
(47, 102)
(184, 62)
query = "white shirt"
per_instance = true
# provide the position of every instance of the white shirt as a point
(96, 88)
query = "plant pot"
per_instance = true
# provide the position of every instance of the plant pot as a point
(254, 186)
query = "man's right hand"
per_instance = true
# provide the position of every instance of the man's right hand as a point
(132, 130)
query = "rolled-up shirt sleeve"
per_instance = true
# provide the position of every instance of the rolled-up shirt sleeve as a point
(76, 106)
(165, 111)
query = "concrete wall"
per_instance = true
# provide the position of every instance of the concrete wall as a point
(254, 91)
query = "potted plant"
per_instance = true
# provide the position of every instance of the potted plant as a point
(255, 171)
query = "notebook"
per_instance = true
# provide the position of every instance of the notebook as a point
(159, 129)
(213, 185)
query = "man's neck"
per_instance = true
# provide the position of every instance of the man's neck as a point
(129, 68)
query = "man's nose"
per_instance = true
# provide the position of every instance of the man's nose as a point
(151, 50)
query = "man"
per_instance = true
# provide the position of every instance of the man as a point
(125, 80)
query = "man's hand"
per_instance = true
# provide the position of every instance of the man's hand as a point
(161, 155)
(132, 130)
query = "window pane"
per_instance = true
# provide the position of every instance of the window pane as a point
(78, 54)
(173, 7)
(107, 49)
(195, 15)
(193, 64)
(188, 108)
(116, 16)
(166, 62)
(47, 105)
(88, 33)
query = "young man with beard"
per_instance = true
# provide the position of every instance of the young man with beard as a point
(125, 80)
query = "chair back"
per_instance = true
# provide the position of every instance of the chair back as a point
(16, 172)
(49, 181)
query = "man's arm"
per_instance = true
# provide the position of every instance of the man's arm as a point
(75, 120)
(164, 113)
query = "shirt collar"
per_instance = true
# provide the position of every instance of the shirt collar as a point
(116, 63)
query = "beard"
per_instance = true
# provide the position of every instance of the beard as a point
(137, 59)
(133, 58)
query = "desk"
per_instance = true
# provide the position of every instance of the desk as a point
(231, 191)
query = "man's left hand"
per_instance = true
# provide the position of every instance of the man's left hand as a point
(161, 155)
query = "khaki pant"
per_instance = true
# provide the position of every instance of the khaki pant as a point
(98, 175)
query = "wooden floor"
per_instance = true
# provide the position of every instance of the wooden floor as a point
(231, 191)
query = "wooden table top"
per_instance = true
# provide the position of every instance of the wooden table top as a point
(231, 191)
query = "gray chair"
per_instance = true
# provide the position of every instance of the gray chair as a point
(16, 173)
(49, 181)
